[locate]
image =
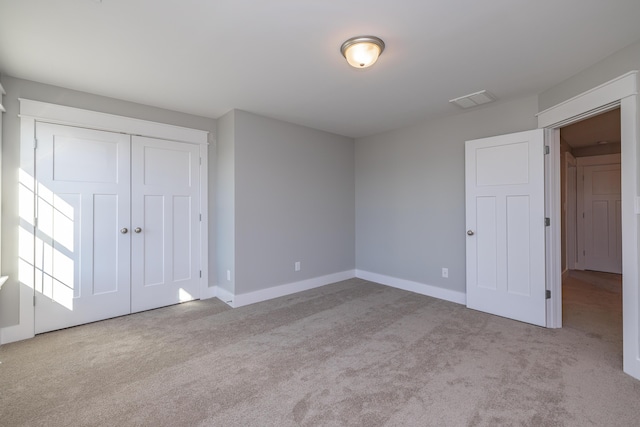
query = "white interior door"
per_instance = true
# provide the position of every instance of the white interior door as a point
(571, 211)
(506, 226)
(602, 218)
(83, 201)
(165, 220)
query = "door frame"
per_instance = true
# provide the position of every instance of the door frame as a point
(620, 92)
(36, 111)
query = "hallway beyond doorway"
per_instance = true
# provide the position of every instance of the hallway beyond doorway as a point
(592, 303)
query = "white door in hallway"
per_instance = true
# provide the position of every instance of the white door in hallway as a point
(602, 218)
(82, 204)
(165, 223)
(506, 226)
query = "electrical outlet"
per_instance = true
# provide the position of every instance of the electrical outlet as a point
(445, 272)
(229, 275)
(296, 266)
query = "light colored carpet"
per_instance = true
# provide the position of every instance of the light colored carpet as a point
(349, 354)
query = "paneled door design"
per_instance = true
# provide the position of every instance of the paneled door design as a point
(82, 251)
(117, 228)
(602, 218)
(506, 226)
(165, 216)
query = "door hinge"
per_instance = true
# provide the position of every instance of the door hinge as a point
(35, 143)
(201, 160)
(547, 222)
(547, 294)
(546, 149)
(34, 300)
(201, 274)
(200, 217)
(35, 222)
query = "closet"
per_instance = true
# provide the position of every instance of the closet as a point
(117, 225)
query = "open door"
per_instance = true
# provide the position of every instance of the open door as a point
(506, 226)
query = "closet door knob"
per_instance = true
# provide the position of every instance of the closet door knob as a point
(137, 229)
(124, 230)
(469, 232)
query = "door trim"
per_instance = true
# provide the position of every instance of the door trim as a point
(622, 92)
(70, 116)
(32, 111)
(598, 100)
(553, 240)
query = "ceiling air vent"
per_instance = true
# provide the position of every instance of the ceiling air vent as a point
(473, 99)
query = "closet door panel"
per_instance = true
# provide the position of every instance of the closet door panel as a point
(82, 271)
(165, 200)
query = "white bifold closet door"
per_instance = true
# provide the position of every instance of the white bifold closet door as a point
(117, 225)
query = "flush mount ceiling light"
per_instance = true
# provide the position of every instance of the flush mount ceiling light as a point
(362, 51)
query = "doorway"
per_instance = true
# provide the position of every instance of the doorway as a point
(619, 92)
(591, 247)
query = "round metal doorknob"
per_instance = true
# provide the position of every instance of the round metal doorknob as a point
(124, 230)
(469, 233)
(138, 230)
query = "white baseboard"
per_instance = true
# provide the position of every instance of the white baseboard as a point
(289, 288)
(209, 292)
(419, 288)
(25, 329)
(15, 333)
(26, 326)
(225, 296)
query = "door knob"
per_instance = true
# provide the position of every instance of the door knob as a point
(137, 229)
(469, 232)
(124, 230)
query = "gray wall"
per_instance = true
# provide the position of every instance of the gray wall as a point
(287, 192)
(410, 205)
(17, 88)
(615, 65)
(225, 202)
(294, 201)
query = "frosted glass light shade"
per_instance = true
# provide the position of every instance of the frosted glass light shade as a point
(362, 52)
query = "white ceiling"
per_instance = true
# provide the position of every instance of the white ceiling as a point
(280, 58)
(603, 128)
